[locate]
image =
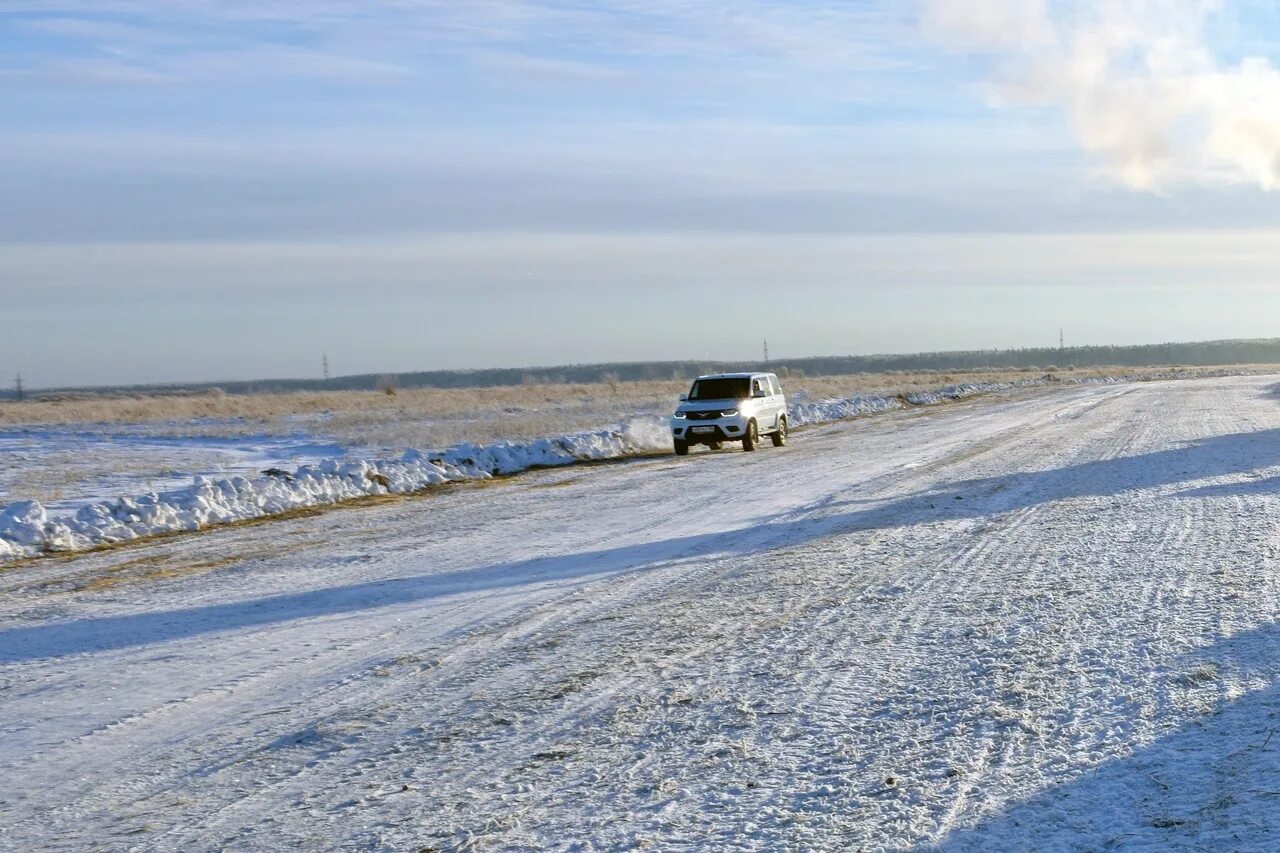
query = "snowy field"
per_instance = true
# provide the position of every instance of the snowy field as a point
(1040, 620)
(66, 453)
(67, 485)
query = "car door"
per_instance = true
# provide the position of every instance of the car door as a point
(760, 402)
(778, 401)
(766, 406)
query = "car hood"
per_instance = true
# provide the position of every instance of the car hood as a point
(712, 405)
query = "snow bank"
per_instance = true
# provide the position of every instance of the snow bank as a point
(26, 529)
(805, 413)
(824, 411)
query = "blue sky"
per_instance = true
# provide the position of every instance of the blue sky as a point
(201, 190)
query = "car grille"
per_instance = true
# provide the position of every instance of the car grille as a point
(702, 416)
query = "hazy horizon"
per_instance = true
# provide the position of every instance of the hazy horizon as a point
(777, 359)
(206, 190)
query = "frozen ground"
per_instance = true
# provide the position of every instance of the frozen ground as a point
(1043, 621)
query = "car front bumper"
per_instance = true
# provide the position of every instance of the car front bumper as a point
(709, 431)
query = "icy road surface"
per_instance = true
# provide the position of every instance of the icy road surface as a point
(1040, 620)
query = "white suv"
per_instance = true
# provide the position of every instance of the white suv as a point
(730, 407)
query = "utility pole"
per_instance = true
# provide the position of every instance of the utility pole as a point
(324, 361)
(17, 385)
(766, 351)
(1061, 341)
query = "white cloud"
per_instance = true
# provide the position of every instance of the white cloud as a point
(989, 24)
(1137, 79)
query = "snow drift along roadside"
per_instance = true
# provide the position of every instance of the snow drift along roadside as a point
(27, 529)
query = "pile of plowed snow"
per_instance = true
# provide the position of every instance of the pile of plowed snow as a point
(27, 529)
(804, 413)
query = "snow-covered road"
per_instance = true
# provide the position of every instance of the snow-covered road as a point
(1045, 619)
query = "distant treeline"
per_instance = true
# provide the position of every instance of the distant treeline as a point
(1199, 354)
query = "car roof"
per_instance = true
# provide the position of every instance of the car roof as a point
(732, 375)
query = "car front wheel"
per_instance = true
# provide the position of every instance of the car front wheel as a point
(752, 438)
(682, 447)
(780, 437)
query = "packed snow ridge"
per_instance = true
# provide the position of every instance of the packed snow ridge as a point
(27, 529)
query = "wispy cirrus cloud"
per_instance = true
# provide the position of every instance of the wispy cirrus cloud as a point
(87, 71)
(308, 117)
(103, 32)
(646, 153)
(613, 33)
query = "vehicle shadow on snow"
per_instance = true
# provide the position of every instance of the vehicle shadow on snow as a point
(1212, 783)
(1216, 456)
(142, 629)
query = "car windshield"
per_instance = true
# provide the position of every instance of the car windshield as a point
(736, 388)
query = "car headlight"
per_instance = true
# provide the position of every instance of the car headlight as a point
(729, 413)
(680, 415)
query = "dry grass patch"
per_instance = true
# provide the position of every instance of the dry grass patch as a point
(266, 408)
(440, 417)
(138, 574)
(455, 402)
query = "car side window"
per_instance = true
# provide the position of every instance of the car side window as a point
(773, 383)
(756, 387)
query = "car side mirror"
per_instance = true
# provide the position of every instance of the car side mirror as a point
(684, 398)
(760, 394)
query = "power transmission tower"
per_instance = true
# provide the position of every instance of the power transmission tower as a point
(1061, 340)
(17, 385)
(766, 350)
(324, 361)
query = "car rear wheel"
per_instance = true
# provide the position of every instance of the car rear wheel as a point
(780, 437)
(716, 445)
(682, 447)
(752, 438)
